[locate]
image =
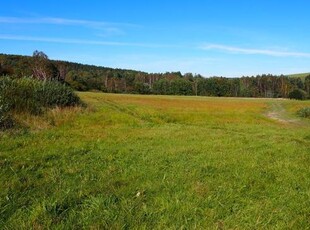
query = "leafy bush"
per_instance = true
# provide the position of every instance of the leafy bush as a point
(4, 106)
(3, 111)
(304, 112)
(5, 120)
(19, 94)
(32, 96)
(56, 94)
(298, 94)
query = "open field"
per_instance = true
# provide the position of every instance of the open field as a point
(155, 162)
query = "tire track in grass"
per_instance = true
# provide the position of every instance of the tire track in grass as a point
(278, 113)
(151, 118)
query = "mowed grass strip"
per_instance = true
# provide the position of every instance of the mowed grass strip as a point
(156, 162)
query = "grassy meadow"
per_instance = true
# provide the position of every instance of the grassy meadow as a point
(157, 162)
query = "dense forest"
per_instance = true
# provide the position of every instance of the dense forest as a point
(88, 77)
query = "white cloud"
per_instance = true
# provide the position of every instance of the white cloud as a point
(105, 28)
(62, 21)
(239, 50)
(80, 41)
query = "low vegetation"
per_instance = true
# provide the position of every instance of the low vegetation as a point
(150, 162)
(4, 116)
(27, 95)
(304, 112)
(158, 162)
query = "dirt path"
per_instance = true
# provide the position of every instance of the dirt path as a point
(278, 113)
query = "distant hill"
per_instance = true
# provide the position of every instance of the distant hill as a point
(302, 76)
(83, 77)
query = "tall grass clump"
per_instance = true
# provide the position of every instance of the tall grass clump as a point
(4, 114)
(56, 94)
(304, 112)
(33, 96)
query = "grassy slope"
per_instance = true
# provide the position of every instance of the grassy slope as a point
(302, 76)
(157, 162)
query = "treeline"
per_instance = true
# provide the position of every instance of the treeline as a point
(88, 77)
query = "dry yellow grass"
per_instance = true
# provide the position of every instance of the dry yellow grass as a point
(52, 117)
(190, 110)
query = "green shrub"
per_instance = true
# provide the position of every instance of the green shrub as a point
(3, 110)
(56, 94)
(5, 120)
(19, 94)
(32, 96)
(304, 112)
(298, 94)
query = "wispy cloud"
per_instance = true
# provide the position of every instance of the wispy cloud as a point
(81, 42)
(103, 28)
(62, 21)
(239, 50)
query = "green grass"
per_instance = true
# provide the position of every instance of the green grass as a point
(157, 162)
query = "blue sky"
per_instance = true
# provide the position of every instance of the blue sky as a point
(223, 38)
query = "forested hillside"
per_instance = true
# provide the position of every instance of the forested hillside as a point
(88, 77)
